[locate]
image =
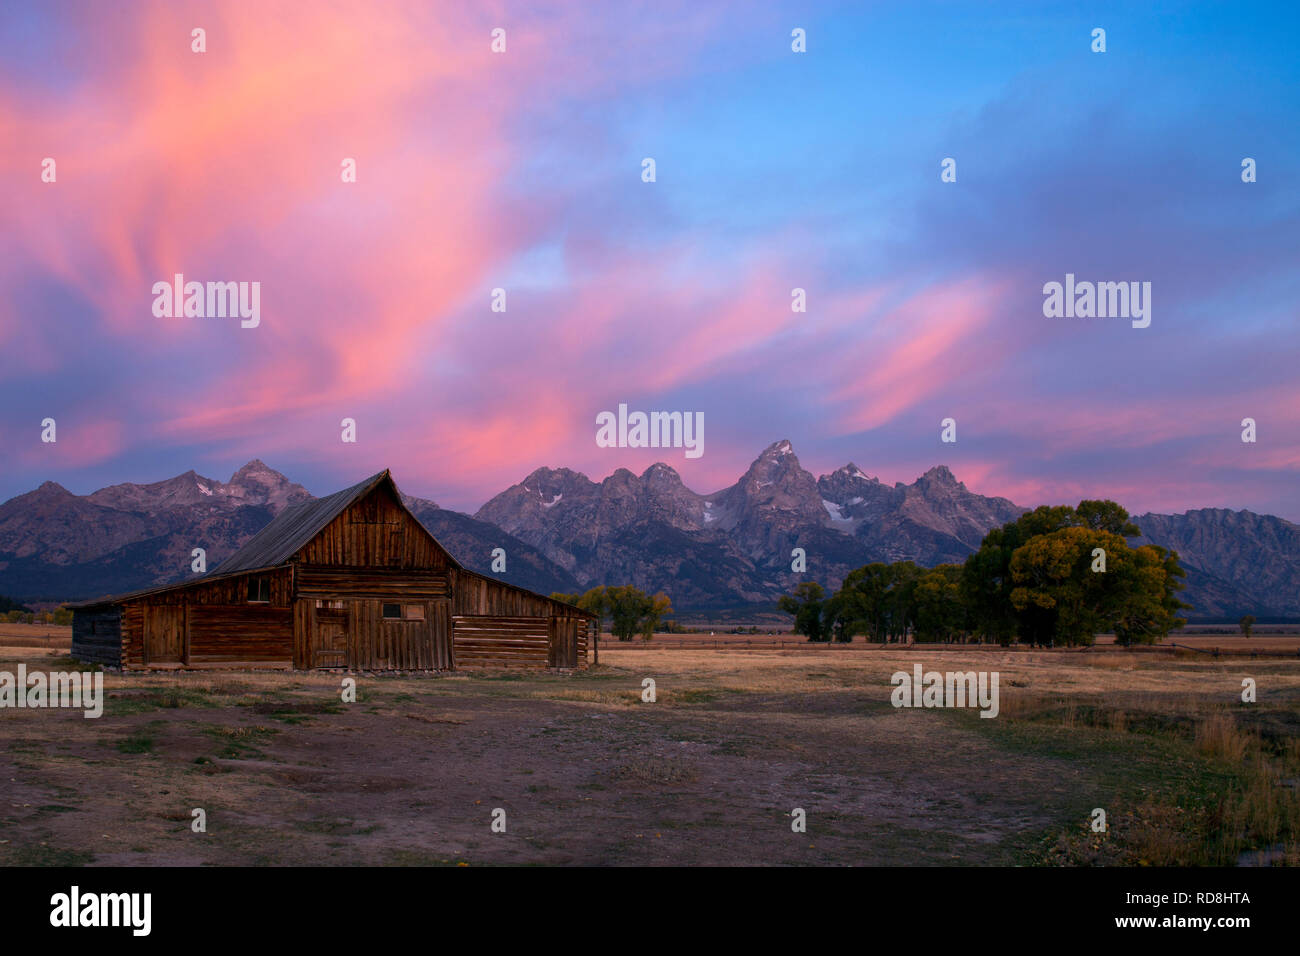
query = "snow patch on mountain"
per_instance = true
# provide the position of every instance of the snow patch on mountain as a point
(834, 510)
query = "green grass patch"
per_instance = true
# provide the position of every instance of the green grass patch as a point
(138, 743)
(240, 743)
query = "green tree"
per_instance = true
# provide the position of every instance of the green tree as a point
(986, 587)
(1148, 602)
(941, 613)
(861, 601)
(838, 618)
(1063, 595)
(660, 607)
(987, 580)
(1247, 623)
(594, 601)
(628, 609)
(878, 600)
(900, 598)
(1055, 589)
(805, 603)
(1105, 516)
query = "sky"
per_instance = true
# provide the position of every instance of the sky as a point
(522, 170)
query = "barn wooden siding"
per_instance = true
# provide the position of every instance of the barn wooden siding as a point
(210, 622)
(358, 636)
(568, 637)
(97, 636)
(376, 532)
(497, 625)
(482, 641)
(373, 553)
(485, 641)
(478, 594)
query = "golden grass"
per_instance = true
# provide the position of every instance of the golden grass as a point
(1218, 737)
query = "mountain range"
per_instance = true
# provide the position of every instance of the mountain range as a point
(564, 532)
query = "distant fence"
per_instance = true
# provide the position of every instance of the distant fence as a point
(50, 641)
(787, 644)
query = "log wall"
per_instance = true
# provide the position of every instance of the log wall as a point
(97, 635)
(483, 641)
(220, 624)
(232, 633)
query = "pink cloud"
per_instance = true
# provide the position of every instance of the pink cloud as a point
(917, 349)
(80, 442)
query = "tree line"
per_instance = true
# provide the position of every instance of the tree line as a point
(625, 609)
(12, 612)
(1054, 576)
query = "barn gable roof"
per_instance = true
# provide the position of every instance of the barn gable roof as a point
(291, 530)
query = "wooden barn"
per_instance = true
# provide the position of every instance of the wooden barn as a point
(352, 581)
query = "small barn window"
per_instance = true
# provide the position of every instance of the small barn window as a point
(413, 612)
(392, 612)
(329, 605)
(259, 590)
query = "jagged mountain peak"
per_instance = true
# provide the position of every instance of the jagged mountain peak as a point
(547, 472)
(620, 476)
(542, 490)
(782, 447)
(662, 475)
(256, 470)
(543, 481)
(850, 472)
(941, 475)
(258, 483)
(258, 473)
(778, 462)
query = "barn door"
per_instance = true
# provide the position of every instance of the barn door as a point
(571, 626)
(441, 627)
(564, 642)
(164, 634)
(329, 635)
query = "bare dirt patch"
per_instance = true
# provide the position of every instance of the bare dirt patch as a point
(587, 773)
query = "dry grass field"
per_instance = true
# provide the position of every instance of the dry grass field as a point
(1286, 644)
(709, 773)
(35, 635)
